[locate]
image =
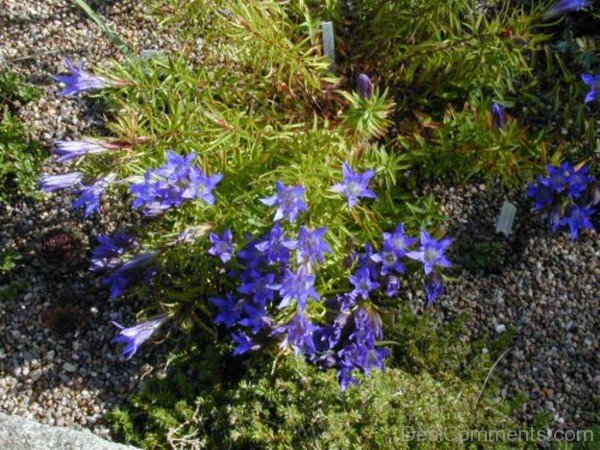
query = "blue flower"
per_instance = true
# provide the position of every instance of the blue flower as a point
(276, 247)
(363, 285)
(498, 116)
(558, 177)
(364, 86)
(90, 195)
(434, 287)
(565, 6)
(541, 193)
(53, 183)
(399, 241)
(360, 350)
(250, 256)
(222, 245)
(128, 273)
(107, 255)
(296, 285)
(256, 318)
(79, 80)
(579, 181)
(288, 201)
(431, 252)
(311, 245)
(173, 183)
(388, 258)
(135, 336)
(392, 286)
(177, 168)
(260, 288)
(593, 81)
(230, 310)
(201, 186)
(69, 150)
(244, 343)
(147, 194)
(355, 185)
(299, 335)
(578, 220)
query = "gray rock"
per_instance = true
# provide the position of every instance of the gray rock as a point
(17, 433)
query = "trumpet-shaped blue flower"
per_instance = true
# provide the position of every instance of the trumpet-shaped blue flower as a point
(135, 336)
(79, 80)
(177, 168)
(256, 318)
(259, 288)
(541, 193)
(389, 260)
(364, 86)
(431, 252)
(244, 343)
(288, 200)
(311, 245)
(579, 181)
(230, 310)
(201, 186)
(107, 254)
(299, 335)
(222, 245)
(298, 286)
(593, 81)
(363, 285)
(398, 241)
(498, 116)
(578, 220)
(89, 197)
(70, 150)
(558, 177)
(355, 185)
(565, 6)
(276, 247)
(434, 287)
(53, 183)
(129, 272)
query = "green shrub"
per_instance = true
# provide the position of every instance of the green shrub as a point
(20, 157)
(300, 407)
(444, 48)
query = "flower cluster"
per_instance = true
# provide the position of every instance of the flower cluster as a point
(567, 197)
(275, 282)
(111, 254)
(172, 184)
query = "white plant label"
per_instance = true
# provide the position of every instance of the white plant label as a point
(328, 41)
(506, 219)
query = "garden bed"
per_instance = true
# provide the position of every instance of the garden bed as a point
(513, 341)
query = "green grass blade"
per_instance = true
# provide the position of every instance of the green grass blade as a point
(106, 29)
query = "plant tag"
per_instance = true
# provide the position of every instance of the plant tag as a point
(328, 41)
(506, 219)
(149, 53)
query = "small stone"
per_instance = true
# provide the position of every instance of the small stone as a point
(69, 367)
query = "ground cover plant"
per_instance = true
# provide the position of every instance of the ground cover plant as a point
(277, 206)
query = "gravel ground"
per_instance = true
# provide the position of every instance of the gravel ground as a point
(57, 363)
(541, 287)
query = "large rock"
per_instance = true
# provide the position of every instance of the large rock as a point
(17, 433)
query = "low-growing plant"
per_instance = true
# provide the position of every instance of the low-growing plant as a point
(257, 159)
(214, 401)
(20, 156)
